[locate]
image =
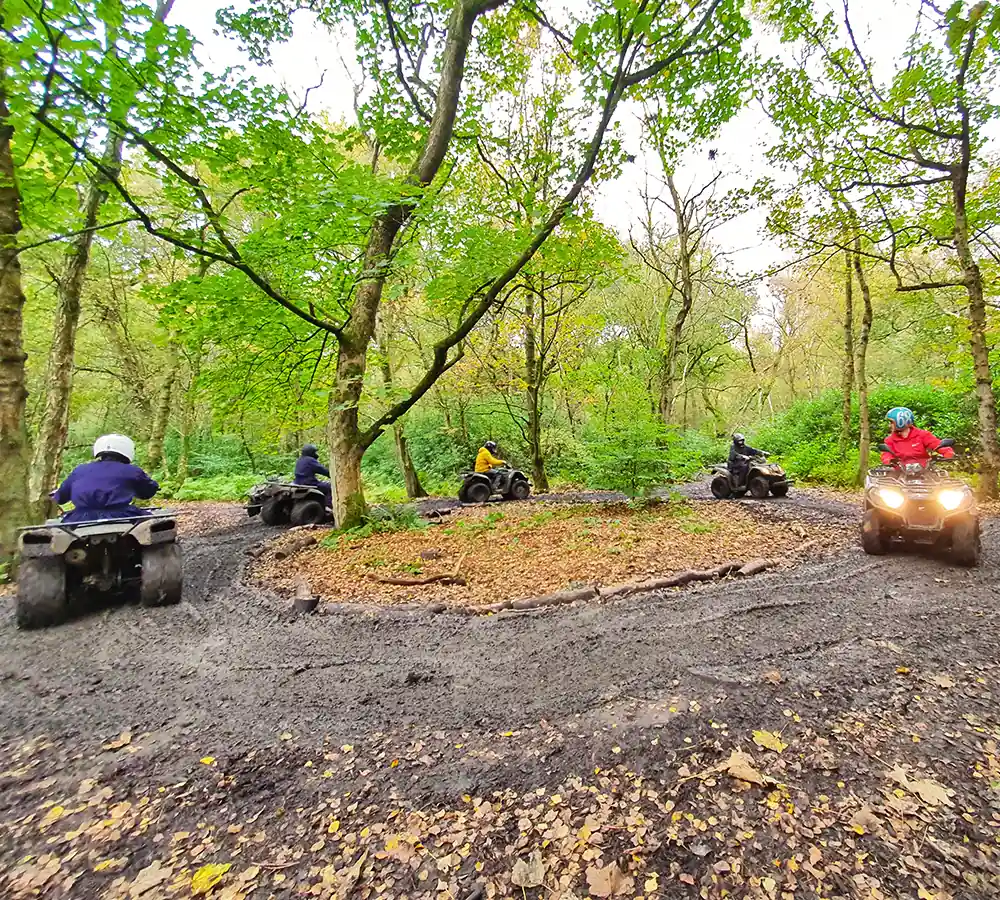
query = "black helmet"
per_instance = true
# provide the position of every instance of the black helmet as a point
(738, 439)
(491, 446)
(311, 450)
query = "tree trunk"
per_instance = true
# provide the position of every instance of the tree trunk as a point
(414, 489)
(531, 380)
(13, 390)
(154, 455)
(864, 448)
(990, 463)
(187, 420)
(668, 395)
(847, 379)
(344, 436)
(51, 439)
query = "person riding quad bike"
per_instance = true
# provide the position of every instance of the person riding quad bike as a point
(307, 467)
(107, 487)
(909, 444)
(486, 462)
(740, 454)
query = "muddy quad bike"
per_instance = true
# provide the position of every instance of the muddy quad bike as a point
(478, 487)
(281, 503)
(763, 478)
(913, 505)
(63, 563)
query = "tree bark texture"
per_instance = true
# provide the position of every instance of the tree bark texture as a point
(861, 361)
(847, 379)
(13, 385)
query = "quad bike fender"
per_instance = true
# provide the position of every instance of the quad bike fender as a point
(55, 539)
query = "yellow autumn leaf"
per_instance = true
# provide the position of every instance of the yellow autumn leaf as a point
(769, 741)
(208, 760)
(347, 748)
(111, 865)
(207, 877)
(334, 826)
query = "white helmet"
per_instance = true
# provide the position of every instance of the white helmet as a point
(115, 443)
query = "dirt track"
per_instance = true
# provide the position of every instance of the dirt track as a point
(232, 646)
(231, 670)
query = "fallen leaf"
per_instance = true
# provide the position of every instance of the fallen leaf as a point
(740, 765)
(208, 760)
(815, 855)
(286, 735)
(608, 881)
(207, 877)
(769, 885)
(769, 741)
(927, 790)
(774, 676)
(111, 865)
(529, 874)
(864, 820)
(943, 681)
(152, 876)
(123, 740)
(347, 879)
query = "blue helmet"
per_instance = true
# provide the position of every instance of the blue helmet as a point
(900, 416)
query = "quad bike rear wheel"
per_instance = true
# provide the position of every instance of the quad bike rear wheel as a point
(720, 488)
(779, 490)
(162, 575)
(873, 541)
(477, 492)
(520, 490)
(463, 494)
(273, 512)
(759, 487)
(41, 593)
(308, 512)
(966, 545)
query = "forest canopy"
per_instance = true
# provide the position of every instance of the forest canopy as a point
(523, 231)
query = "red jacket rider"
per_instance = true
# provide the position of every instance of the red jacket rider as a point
(910, 444)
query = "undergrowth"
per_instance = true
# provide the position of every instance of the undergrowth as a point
(388, 519)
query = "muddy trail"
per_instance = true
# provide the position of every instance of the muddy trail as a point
(509, 702)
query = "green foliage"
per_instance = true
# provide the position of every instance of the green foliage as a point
(388, 519)
(213, 487)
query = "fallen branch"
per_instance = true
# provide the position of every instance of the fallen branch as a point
(294, 545)
(421, 579)
(755, 567)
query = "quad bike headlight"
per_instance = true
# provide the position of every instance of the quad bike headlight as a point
(951, 500)
(891, 497)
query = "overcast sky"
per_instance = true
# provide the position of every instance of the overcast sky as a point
(313, 53)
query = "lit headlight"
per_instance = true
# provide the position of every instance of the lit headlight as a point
(891, 498)
(951, 499)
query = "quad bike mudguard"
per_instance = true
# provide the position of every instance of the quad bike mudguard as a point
(762, 478)
(54, 538)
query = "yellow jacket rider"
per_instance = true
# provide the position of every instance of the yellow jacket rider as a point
(485, 460)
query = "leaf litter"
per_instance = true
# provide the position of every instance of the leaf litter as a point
(526, 550)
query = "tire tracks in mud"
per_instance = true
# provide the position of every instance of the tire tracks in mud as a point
(242, 669)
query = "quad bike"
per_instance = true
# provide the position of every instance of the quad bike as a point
(281, 503)
(763, 478)
(910, 504)
(478, 487)
(64, 562)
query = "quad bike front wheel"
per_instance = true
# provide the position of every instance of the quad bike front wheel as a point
(308, 512)
(966, 545)
(477, 492)
(273, 512)
(873, 541)
(720, 488)
(162, 575)
(41, 593)
(779, 490)
(759, 487)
